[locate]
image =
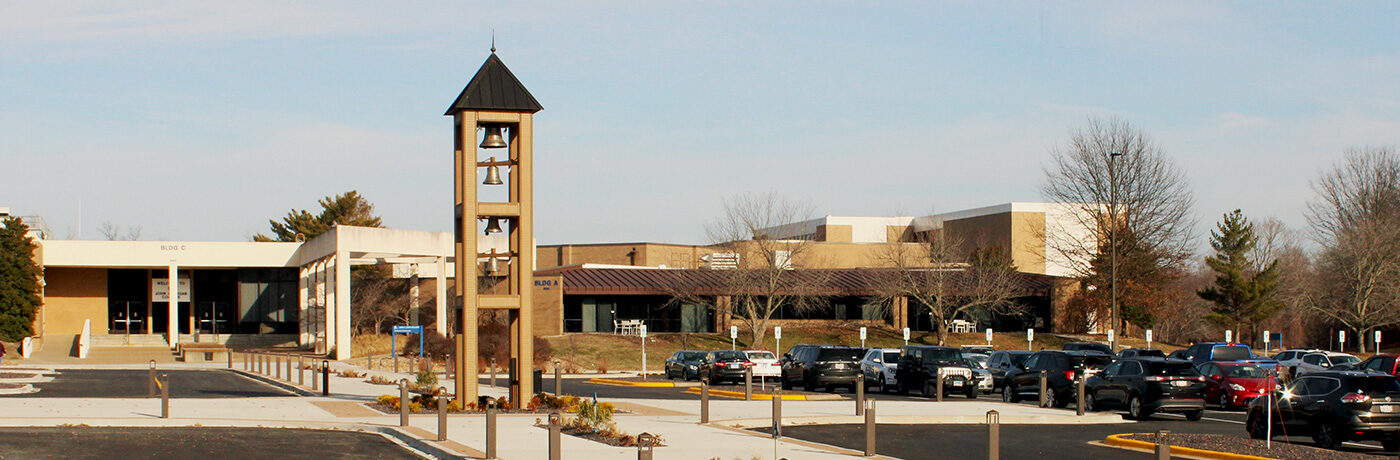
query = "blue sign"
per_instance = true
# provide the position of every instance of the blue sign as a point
(394, 338)
(408, 329)
(1276, 337)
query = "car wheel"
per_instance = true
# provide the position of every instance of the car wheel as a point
(1194, 416)
(1055, 400)
(1256, 426)
(787, 385)
(928, 390)
(1089, 405)
(1326, 437)
(879, 386)
(1135, 409)
(1224, 400)
(1391, 444)
(972, 393)
(1008, 395)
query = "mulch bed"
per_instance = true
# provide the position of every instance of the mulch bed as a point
(433, 410)
(595, 436)
(15, 375)
(1249, 446)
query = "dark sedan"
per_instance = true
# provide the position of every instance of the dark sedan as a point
(684, 365)
(722, 365)
(1147, 385)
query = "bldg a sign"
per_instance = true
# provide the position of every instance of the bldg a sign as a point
(160, 290)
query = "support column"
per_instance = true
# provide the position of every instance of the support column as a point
(524, 245)
(173, 318)
(342, 305)
(328, 317)
(318, 273)
(413, 297)
(441, 298)
(303, 302)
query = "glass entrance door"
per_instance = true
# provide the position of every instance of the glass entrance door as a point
(212, 317)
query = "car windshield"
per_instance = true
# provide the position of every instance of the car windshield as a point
(891, 357)
(1151, 352)
(1375, 385)
(1091, 361)
(941, 355)
(978, 361)
(1344, 359)
(761, 355)
(692, 356)
(1243, 372)
(839, 354)
(1019, 359)
(1171, 369)
(724, 355)
(1230, 353)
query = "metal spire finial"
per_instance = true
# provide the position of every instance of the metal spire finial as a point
(493, 41)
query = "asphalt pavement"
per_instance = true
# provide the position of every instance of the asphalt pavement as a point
(111, 383)
(194, 442)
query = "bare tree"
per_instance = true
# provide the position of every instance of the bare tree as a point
(940, 274)
(113, 232)
(764, 281)
(1296, 281)
(1111, 180)
(1356, 220)
(378, 302)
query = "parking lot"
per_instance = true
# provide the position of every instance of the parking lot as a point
(113, 383)
(194, 442)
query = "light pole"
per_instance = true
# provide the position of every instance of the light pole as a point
(1113, 248)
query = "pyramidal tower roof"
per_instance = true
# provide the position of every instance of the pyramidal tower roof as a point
(495, 88)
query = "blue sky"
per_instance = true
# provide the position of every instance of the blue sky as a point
(200, 121)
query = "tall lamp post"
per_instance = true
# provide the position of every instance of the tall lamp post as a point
(1113, 249)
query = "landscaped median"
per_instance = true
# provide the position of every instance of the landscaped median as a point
(633, 383)
(764, 396)
(1121, 440)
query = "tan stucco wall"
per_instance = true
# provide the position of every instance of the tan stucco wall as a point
(72, 295)
(1028, 241)
(548, 301)
(835, 233)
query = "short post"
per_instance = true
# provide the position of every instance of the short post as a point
(939, 385)
(860, 395)
(442, 414)
(277, 365)
(396, 363)
(229, 356)
(451, 368)
(490, 429)
(558, 384)
(493, 372)
(289, 369)
(645, 443)
(246, 365)
(1079, 387)
(704, 402)
(369, 361)
(165, 396)
(555, 422)
(777, 416)
(1164, 447)
(325, 378)
(1043, 377)
(301, 371)
(151, 382)
(869, 428)
(993, 435)
(403, 402)
(748, 384)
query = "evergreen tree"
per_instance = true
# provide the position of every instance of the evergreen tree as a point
(19, 281)
(1241, 296)
(348, 208)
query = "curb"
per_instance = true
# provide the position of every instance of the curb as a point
(628, 383)
(756, 396)
(1117, 440)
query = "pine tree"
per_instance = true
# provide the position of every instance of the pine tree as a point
(1241, 296)
(19, 281)
(349, 208)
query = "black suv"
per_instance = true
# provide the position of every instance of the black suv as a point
(821, 366)
(1061, 367)
(1141, 353)
(919, 366)
(684, 364)
(1217, 351)
(1087, 346)
(1333, 406)
(724, 364)
(1003, 363)
(1146, 385)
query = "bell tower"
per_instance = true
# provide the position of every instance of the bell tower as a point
(498, 107)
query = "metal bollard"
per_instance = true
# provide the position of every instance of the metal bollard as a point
(993, 435)
(1043, 376)
(289, 369)
(645, 443)
(870, 428)
(558, 384)
(229, 357)
(748, 384)
(277, 367)
(165, 396)
(704, 402)
(777, 416)
(301, 371)
(939, 390)
(493, 372)
(403, 402)
(1079, 403)
(151, 382)
(1164, 447)
(325, 378)
(555, 423)
(369, 361)
(860, 395)
(490, 429)
(245, 362)
(442, 414)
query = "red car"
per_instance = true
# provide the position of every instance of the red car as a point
(1383, 363)
(1233, 384)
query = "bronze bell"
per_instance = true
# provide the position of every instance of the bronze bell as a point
(493, 139)
(493, 174)
(493, 226)
(492, 266)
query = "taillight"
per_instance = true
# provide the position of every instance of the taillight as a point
(1155, 378)
(721, 365)
(748, 364)
(1352, 398)
(1069, 375)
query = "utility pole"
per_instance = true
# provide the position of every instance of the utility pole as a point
(1113, 249)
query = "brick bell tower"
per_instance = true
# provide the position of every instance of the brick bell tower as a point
(493, 130)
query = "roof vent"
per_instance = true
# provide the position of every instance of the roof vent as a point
(721, 260)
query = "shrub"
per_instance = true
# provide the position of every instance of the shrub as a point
(594, 415)
(427, 379)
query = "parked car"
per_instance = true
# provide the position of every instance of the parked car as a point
(1141, 353)
(1217, 351)
(1087, 346)
(721, 365)
(1178, 354)
(878, 367)
(977, 349)
(1061, 367)
(919, 366)
(1316, 361)
(1334, 407)
(981, 376)
(1144, 386)
(684, 365)
(977, 360)
(765, 364)
(1234, 384)
(1002, 363)
(821, 367)
(1383, 363)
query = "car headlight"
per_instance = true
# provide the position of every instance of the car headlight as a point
(1236, 387)
(692, 366)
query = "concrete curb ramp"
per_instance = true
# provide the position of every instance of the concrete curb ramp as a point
(1118, 440)
(629, 383)
(764, 396)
